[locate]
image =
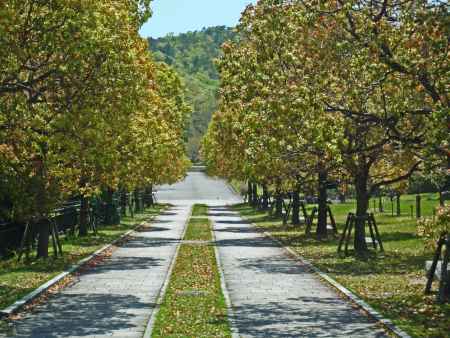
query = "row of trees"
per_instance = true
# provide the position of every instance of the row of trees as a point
(354, 92)
(83, 107)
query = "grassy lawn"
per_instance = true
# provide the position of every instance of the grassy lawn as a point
(194, 305)
(19, 278)
(392, 282)
(199, 229)
(200, 210)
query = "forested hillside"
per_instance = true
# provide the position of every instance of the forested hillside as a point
(192, 54)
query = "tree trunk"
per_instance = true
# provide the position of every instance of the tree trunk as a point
(249, 193)
(123, 202)
(380, 204)
(109, 210)
(43, 224)
(265, 197)
(255, 194)
(278, 205)
(43, 239)
(399, 212)
(137, 201)
(84, 212)
(296, 207)
(322, 205)
(418, 206)
(150, 195)
(362, 204)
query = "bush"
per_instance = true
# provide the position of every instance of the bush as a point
(433, 228)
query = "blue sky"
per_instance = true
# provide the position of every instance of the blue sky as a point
(179, 16)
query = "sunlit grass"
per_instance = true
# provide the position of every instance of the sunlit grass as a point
(200, 210)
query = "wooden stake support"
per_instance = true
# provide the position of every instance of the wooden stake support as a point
(373, 230)
(443, 294)
(310, 219)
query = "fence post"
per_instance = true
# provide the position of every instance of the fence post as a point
(418, 206)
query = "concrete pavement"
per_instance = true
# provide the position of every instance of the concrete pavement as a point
(115, 298)
(272, 295)
(275, 296)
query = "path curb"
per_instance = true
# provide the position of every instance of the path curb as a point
(226, 295)
(19, 304)
(387, 324)
(162, 291)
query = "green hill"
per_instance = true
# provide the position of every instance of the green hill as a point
(192, 54)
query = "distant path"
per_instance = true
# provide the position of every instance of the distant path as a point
(115, 298)
(197, 188)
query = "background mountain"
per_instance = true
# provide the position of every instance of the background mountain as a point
(192, 55)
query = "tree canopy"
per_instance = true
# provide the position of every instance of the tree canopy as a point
(83, 106)
(347, 91)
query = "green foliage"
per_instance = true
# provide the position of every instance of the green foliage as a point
(192, 55)
(319, 87)
(83, 106)
(433, 228)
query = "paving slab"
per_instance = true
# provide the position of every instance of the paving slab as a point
(115, 298)
(274, 295)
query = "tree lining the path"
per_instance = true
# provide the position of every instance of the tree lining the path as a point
(83, 108)
(344, 91)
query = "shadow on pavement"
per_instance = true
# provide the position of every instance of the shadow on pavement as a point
(247, 242)
(290, 319)
(275, 265)
(83, 315)
(121, 263)
(148, 242)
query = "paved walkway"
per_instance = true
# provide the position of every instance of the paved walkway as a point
(116, 298)
(275, 296)
(272, 295)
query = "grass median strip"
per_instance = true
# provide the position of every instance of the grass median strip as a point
(199, 229)
(200, 210)
(194, 305)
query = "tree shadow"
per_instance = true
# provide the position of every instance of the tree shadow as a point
(223, 214)
(257, 242)
(397, 236)
(122, 263)
(249, 230)
(280, 264)
(151, 229)
(312, 316)
(240, 221)
(149, 242)
(83, 315)
(160, 221)
(168, 213)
